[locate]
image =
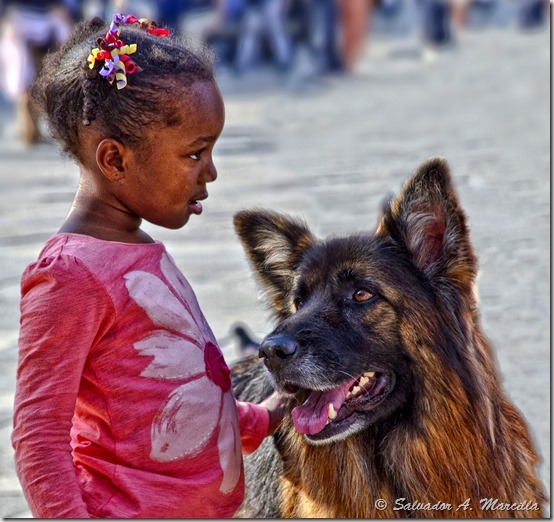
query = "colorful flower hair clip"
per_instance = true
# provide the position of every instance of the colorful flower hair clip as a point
(115, 54)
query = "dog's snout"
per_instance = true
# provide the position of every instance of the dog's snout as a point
(277, 349)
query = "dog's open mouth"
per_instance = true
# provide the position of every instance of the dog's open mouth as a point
(325, 414)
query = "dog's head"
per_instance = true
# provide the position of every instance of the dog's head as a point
(365, 320)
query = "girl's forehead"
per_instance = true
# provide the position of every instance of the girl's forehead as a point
(190, 113)
(198, 101)
(200, 92)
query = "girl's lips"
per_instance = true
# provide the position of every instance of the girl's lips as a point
(195, 205)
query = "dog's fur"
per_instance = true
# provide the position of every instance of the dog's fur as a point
(442, 429)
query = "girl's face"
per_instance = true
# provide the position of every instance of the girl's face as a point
(168, 173)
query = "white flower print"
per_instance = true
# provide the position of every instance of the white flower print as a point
(193, 411)
(174, 357)
(229, 436)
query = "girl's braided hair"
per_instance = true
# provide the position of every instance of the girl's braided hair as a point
(71, 95)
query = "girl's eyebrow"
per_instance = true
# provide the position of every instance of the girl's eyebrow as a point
(202, 139)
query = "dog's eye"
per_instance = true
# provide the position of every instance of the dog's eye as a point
(298, 303)
(361, 295)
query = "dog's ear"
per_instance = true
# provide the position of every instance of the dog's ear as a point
(427, 219)
(274, 243)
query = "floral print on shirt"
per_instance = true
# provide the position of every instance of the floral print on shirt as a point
(193, 411)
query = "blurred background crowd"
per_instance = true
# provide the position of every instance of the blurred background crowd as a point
(327, 36)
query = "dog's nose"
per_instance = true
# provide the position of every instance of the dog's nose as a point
(277, 349)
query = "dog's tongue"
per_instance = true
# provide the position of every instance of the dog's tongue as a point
(312, 416)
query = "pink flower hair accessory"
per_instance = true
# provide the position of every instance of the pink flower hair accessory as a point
(115, 54)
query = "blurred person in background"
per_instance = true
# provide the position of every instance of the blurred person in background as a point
(354, 23)
(263, 18)
(533, 13)
(74, 8)
(458, 13)
(436, 19)
(29, 29)
(169, 13)
(314, 25)
(222, 31)
(142, 8)
(172, 13)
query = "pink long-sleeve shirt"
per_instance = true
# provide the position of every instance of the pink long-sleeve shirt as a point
(123, 405)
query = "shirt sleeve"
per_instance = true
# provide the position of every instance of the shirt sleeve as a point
(64, 310)
(253, 425)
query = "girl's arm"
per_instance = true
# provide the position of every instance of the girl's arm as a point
(63, 310)
(257, 421)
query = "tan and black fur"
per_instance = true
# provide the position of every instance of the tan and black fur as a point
(445, 431)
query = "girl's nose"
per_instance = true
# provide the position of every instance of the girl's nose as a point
(210, 173)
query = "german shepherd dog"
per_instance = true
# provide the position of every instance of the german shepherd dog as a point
(396, 405)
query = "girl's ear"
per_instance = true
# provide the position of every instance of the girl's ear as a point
(111, 158)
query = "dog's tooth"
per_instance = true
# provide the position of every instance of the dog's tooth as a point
(369, 374)
(364, 380)
(348, 395)
(331, 412)
(356, 390)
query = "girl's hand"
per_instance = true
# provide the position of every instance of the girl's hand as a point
(277, 405)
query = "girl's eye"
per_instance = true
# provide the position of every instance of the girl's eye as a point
(361, 295)
(195, 156)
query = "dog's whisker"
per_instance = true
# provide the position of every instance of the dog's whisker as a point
(347, 374)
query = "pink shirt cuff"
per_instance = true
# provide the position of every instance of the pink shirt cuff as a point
(253, 425)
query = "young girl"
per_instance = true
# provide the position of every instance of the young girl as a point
(124, 405)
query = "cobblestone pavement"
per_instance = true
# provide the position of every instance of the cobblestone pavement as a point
(330, 151)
